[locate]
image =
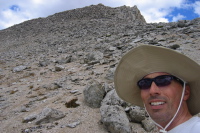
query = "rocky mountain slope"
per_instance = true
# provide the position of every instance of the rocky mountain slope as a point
(48, 65)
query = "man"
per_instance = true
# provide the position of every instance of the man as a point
(163, 81)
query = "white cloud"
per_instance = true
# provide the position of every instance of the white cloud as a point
(152, 10)
(197, 7)
(178, 17)
(10, 17)
(157, 10)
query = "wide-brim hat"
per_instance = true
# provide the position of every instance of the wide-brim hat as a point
(147, 59)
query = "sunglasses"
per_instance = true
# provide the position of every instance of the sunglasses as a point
(160, 81)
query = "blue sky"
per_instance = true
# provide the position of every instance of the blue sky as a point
(154, 11)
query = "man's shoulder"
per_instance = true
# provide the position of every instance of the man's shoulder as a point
(195, 119)
(190, 126)
(193, 125)
(196, 123)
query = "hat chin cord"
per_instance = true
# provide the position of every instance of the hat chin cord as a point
(163, 129)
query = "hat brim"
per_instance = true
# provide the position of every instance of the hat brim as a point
(147, 59)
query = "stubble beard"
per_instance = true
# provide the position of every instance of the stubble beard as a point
(160, 117)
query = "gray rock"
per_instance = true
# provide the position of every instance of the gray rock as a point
(73, 91)
(29, 118)
(94, 57)
(49, 115)
(136, 40)
(52, 86)
(137, 128)
(148, 124)
(107, 87)
(110, 74)
(74, 124)
(59, 68)
(64, 60)
(112, 48)
(115, 119)
(27, 130)
(94, 94)
(24, 109)
(44, 63)
(181, 23)
(112, 98)
(136, 114)
(75, 78)
(19, 68)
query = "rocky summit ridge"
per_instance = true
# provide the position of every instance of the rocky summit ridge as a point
(73, 23)
(56, 73)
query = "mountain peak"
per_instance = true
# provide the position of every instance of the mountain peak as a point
(101, 12)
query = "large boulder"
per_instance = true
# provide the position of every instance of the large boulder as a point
(94, 94)
(115, 119)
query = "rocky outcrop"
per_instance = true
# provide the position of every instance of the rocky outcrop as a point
(56, 73)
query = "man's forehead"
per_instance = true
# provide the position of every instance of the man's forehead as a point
(155, 74)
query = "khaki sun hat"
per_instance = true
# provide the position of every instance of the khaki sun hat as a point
(147, 59)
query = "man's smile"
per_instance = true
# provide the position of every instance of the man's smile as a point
(156, 103)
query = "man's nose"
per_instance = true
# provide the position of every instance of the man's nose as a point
(154, 89)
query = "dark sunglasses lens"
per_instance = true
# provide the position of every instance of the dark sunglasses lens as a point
(144, 84)
(162, 81)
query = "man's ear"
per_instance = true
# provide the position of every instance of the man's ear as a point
(187, 93)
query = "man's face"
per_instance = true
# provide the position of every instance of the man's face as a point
(162, 102)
